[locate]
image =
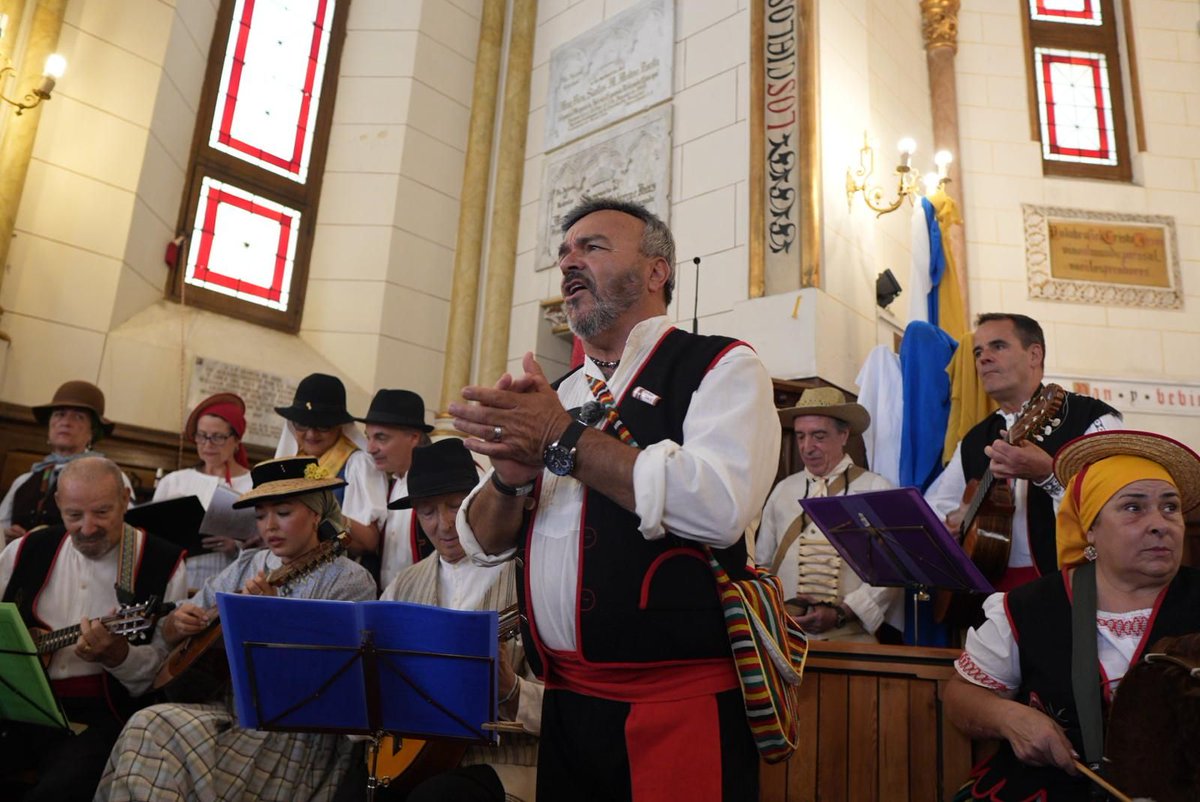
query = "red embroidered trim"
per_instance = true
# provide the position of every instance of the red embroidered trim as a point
(1125, 627)
(971, 670)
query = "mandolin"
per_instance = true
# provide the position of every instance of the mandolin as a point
(194, 670)
(986, 529)
(403, 762)
(128, 620)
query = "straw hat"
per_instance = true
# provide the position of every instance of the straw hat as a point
(77, 395)
(1180, 461)
(437, 469)
(284, 477)
(831, 402)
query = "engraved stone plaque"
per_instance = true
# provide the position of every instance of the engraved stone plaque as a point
(261, 391)
(630, 161)
(616, 69)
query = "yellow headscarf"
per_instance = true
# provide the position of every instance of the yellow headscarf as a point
(1088, 492)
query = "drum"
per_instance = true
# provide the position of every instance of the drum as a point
(1153, 743)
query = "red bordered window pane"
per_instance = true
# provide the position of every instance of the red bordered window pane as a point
(1076, 12)
(1075, 106)
(243, 245)
(271, 83)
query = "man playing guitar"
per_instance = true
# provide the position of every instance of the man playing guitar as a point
(1010, 354)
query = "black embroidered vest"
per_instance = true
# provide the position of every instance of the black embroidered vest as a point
(648, 601)
(33, 503)
(1041, 618)
(1077, 414)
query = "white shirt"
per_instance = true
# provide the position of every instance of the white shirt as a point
(397, 537)
(6, 505)
(707, 490)
(946, 493)
(881, 392)
(991, 657)
(80, 586)
(872, 605)
(194, 482)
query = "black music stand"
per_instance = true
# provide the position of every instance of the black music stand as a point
(361, 668)
(25, 693)
(892, 538)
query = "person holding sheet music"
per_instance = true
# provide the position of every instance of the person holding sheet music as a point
(440, 477)
(1010, 357)
(197, 751)
(68, 575)
(828, 599)
(216, 426)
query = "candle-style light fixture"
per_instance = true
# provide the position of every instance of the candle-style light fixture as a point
(56, 65)
(910, 181)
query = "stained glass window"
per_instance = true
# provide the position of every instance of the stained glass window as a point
(257, 162)
(1076, 89)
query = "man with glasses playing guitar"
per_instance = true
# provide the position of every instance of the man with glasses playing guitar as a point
(1010, 454)
(63, 579)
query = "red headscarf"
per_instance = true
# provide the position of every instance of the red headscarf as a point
(233, 415)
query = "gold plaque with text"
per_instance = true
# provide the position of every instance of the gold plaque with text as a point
(1113, 253)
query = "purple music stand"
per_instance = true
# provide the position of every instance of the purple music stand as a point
(892, 538)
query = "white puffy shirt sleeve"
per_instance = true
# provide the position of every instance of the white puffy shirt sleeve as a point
(709, 489)
(991, 658)
(365, 499)
(141, 665)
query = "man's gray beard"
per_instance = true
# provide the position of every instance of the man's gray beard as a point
(605, 311)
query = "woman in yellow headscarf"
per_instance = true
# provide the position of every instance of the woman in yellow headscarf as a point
(1025, 675)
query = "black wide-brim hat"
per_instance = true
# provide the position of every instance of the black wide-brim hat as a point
(285, 477)
(320, 401)
(77, 395)
(397, 408)
(437, 469)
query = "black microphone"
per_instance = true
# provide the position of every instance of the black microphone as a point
(696, 299)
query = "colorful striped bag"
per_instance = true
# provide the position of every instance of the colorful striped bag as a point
(769, 649)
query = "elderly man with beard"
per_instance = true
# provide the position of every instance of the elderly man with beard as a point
(67, 575)
(611, 488)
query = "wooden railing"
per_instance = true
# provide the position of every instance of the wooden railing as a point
(873, 728)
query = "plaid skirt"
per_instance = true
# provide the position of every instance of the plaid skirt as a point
(176, 752)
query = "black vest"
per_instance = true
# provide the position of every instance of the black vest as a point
(647, 601)
(1041, 617)
(39, 551)
(1077, 414)
(33, 503)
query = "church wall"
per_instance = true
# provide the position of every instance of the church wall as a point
(1003, 170)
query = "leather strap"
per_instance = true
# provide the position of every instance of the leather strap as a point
(127, 558)
(1085, 660)
(840, 484)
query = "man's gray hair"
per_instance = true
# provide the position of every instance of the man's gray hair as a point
(90, 470)
(656, 238)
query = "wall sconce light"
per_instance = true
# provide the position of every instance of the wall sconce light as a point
(56, 65)
(886, 288)
(910, 181)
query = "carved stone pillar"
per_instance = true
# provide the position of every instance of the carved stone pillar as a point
(468, 251)
(16, 146)
(939, 24)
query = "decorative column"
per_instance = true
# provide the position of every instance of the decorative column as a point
(506, 202)
(464, 288)
(939, 24)
(16, 146)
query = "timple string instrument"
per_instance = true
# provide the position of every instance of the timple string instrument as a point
(203, 668)
(128, 620)
(986, 529)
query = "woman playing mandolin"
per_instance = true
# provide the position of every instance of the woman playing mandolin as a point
(184, 751)
(1042, 670)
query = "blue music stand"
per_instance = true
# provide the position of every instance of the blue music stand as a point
(892, 538)
(361, 668)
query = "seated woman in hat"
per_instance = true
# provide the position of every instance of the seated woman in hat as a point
(1120, 542)
(216, 426)
(75, 421)
(197, 752)
(318, 425)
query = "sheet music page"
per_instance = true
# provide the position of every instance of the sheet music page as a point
(220, 518)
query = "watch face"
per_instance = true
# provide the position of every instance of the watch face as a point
(559, 461)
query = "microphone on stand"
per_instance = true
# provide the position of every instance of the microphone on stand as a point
(696, 298)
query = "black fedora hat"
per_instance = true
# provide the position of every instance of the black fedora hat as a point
(397, 408)
(442, 467)
(285, 477)
(320, 401)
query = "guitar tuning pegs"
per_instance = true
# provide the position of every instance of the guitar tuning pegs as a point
(1039, 438)
(1056, 422)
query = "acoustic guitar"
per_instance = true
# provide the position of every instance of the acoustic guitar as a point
(404, 762)
(196, 672)
(128, 620)
(986, 529)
